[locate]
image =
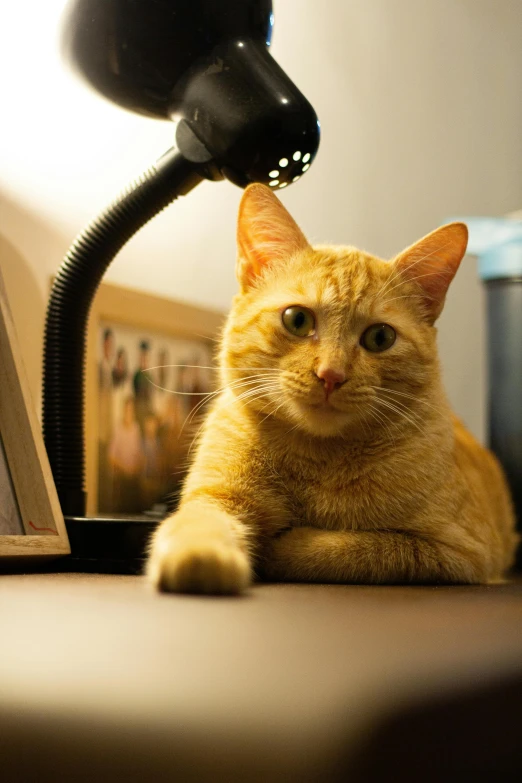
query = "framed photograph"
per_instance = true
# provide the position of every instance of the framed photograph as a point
(31, 521)
(149, 371)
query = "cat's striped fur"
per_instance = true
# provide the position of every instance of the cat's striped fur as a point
(375, 483)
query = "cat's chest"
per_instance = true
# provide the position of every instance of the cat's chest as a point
(338, 494)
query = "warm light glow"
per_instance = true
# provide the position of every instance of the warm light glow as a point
(274, 183)
(305, 168)
(274, 174)
(306, 157)
(283, 163)
(297, 156)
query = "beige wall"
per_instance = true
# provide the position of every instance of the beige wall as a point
(29, 248)
(421, 118)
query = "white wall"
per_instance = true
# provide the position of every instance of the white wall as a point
(421, 116)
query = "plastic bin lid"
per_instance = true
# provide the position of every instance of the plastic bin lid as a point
(498, 244)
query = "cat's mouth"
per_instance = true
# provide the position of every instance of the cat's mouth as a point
(321, 417)
(318, 413)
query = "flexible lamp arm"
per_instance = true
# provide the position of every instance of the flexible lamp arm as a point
(204, 64)
(68, 311)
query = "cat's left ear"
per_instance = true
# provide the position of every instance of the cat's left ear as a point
(266, 234)
(432, 262)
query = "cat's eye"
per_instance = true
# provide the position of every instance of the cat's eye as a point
(299, 321)
(378, 338)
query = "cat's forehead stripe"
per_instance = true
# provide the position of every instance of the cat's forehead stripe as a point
(343, 282)
(348, 278)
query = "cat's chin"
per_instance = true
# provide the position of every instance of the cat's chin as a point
(321, 420)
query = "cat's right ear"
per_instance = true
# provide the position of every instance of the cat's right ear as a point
(266, 234)
(431, 264)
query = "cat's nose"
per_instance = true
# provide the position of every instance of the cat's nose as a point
(331, 377)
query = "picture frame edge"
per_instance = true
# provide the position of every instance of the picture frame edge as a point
(32, 499)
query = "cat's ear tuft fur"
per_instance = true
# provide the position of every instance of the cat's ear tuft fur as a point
(266, 234)
(432, 262)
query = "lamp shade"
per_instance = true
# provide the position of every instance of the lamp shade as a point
(204, 63)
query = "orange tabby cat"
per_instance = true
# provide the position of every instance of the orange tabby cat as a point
(331, 454)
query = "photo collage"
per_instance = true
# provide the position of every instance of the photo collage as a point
(149, 388)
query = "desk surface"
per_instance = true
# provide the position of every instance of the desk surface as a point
(102, 679)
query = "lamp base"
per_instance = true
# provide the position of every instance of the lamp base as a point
(110, 544)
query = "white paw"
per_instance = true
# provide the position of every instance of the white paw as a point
(185, 564)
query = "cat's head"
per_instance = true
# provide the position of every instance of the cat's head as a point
(329, 339)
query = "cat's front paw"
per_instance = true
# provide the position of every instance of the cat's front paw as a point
(212, 569)
(195, 560)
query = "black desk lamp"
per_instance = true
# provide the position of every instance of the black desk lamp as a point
(205, 65)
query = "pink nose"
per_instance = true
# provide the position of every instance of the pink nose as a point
(332, 379)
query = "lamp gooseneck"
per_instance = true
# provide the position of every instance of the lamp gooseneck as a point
(204, 64)
(68, 311)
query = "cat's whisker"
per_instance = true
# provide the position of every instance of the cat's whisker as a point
(399, 272)
(251, 388)
(175, 391)
(180, 471)
(438, 273)
(403, 408)
(292, 429)
(216, 340)
(381, 419)
(195, 438)
(243, 383)
(400, 406)
(260, 370)
(395, 298)
(195, 410)
(226, 405)
(373, 415)
(417, 399)
(273, 413)
(206, 367)
(175, 366)
(206, 399)
(260, 391)
(190, 419)
(251, 394)
(214, 367)
(200, 394)
(233, 385)
(240, 382)
(366, 427)
(270, 413)
(405, 416)
(249, 379)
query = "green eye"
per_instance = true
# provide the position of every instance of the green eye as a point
(299, 321)
(378, 338)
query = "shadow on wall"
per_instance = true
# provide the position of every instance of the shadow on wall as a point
(30, 252)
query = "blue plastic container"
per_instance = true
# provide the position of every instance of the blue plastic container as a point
(498, 244)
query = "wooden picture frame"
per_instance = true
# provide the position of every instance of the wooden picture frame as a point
(128, 308)
(28, 497)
